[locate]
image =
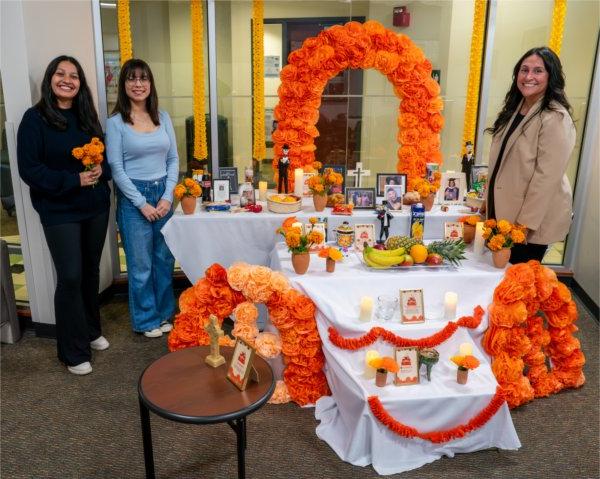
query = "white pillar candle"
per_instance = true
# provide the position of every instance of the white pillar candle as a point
(262, 191)
(366, 308)
(450, 301)
(465, 349)
(479, 241)
(298, 182)
(370, 370)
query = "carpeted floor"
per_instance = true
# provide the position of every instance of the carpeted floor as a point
(56, 425)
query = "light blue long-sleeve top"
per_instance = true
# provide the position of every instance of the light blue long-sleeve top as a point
(142, 156)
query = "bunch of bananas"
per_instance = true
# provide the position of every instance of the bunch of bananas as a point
(383, 259)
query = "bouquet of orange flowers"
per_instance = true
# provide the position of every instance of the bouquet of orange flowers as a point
(331, 253)
(385, 363)
(466, 362)
(502, 234)
(297, 241)
(470, 220)
(425, 187)
(90, 154)
(188, 187)
(320, 184)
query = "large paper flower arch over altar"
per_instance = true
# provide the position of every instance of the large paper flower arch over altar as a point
(358, 45)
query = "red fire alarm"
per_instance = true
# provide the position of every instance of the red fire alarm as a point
(401, 17)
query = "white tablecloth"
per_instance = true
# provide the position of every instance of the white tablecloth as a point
(347, 423)
(201, 239)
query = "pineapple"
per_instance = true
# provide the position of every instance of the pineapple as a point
(395, 242)
(452, 251)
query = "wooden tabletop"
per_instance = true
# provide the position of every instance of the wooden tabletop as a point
(180, 386)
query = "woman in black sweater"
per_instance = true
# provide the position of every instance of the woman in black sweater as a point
(73, 204)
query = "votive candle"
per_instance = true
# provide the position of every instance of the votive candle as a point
(298, 182)
(366, 308)
(465, 349)
(370, 370)
(450, 302)
(262, 191)
(479, 241)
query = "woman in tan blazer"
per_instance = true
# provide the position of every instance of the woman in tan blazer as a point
(533, 138)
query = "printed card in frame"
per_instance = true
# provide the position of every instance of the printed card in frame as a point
(453, 231)
(412, 308)
(364, 233)
(408, 366)
(221, 190)
(240, 366)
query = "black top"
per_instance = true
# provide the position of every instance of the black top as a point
(50, 170)
(491, 208)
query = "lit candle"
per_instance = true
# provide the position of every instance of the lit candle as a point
(465, 349)
(370, 370)
(479, 241)
(450, 301)
(262, 191)
(366, 308)
(298, 182)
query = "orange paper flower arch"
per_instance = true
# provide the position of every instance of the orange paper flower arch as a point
(223, 291)
(358, 45)
(531, 318)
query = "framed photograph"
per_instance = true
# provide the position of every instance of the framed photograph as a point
(231, 174)
(393, 195)
(408, 366)
(305, 189)
(247, 196)
(220, 190)
(430, 169)
(361, 198)
(272, 66)
(411, 306)
(479, 177)
(453, 188)
(384, 179)
(364, 233)
(241, 364)
(341, 169)
(436, 75)
(453, 231)
(112, 70)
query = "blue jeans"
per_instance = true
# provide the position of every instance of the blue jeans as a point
(149, 260)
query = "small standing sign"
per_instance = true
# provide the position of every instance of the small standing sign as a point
(241, 367)
(453, 231)
(411, 306)
(364, 233)
(408, 366)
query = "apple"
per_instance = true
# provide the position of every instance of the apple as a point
(434, 259)
(380, 246)
(408, 260)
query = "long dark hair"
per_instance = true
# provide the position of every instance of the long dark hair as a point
(554, 92)
(123, 106)
(82, 103)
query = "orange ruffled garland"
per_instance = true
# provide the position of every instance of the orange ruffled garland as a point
(360, 45)
(437, 436)
(429, 342)
(517, 337)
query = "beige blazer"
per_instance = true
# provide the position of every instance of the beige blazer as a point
(531, 187)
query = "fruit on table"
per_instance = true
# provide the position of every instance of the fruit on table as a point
(394, 242)
(379, 246)
(419, 253)
(452, 251)
(408, 260)
(434, 259)
(284, 198)
(383, 259)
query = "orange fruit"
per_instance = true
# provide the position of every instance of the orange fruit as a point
(419, 253)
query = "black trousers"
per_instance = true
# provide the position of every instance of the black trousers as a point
(521, 253)
(76, 249)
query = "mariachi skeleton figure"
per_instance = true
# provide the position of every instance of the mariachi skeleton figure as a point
(283, 166)
(385, 217)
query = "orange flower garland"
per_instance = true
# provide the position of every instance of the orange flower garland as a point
(517, 338)
(358, 45)
(429, 342)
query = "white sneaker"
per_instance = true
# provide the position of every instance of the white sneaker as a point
(154, 333)
(166, 327)
(81, 369)
(100, 344)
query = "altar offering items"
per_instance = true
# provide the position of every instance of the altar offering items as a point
(479, 240)
(299, 244)
(217, 207)
(241, 364)
(249, 175)
(220, 190)
(386, 306)
(306, 191)
(321, 185)
(344, 235)
(298, 181)
(500, 236)
(451, 251)
(247, 194)
(186, 192)
(453, 231)
(284, 203)
(391, 179)
(383, 259)
(206, 186)
(429, 357)
(412, 309)
(411, 198)
(366, 309)
(231, 174)
(283, 165)
(335, 199)
(332, 256)
(253, 208)
(364, 233)
(473, 201)
(342, 209)
(383, 366)
(417, 221)
(361, 198)
(318, 225)
(370, 370)
(385, 218)
(214, 359)
(426, 189)
(464, 363)
(408, 366)
(262, 190)
(358, 173)
(450, 302)
(469, 223)
(453, 188)
(465, 349)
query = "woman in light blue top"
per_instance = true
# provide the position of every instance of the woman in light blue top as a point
(142, 152)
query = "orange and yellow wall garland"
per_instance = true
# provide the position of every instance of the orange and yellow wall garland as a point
(358, 45)
(258, 81)
(558, 25)
(124, 28)
(200, 146)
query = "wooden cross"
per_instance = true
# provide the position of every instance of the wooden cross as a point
(214, 331)
(358, 173)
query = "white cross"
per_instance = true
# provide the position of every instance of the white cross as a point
(358, 173)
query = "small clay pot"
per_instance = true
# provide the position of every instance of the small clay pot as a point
(188, 205)
(300, 262)
(320, 201)
(329, 265)
(381, 378)
(468, 233)
(428, 202)
(462, 375)
(501, 257)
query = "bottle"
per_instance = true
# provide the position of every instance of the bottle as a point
(206, 186)
(417, 220)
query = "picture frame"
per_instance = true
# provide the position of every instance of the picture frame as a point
(393, 196)
(364, 233)
(305, 189)
(341, 169)
(230, 173)
(384, 179)
(453, 230)
(220, 190)
(430, 169)
(453, 188)
(412, 306)
(240, 366)
(361, 198)
(247, 194)
(479, 177)
(408, 366)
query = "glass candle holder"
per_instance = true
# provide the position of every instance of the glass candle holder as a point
(386, 306)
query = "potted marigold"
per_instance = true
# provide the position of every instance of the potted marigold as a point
(186, 192)
(469, 223)
(383, 366)
(331, 255)
(299, 244)
(500, 236)
(320, 185)
(426, 189)
(464, 363)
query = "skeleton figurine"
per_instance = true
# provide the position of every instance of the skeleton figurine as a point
(283, 166)
(385, 217)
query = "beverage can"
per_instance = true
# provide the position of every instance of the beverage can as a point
(417, 221)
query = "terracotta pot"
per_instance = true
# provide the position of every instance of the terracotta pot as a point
(468, 233)
(381, 378)
(300, 262)
(329, 265)
(462, 375)
(428, 202)
(188, 205)
(501, 257)
(320, 201)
